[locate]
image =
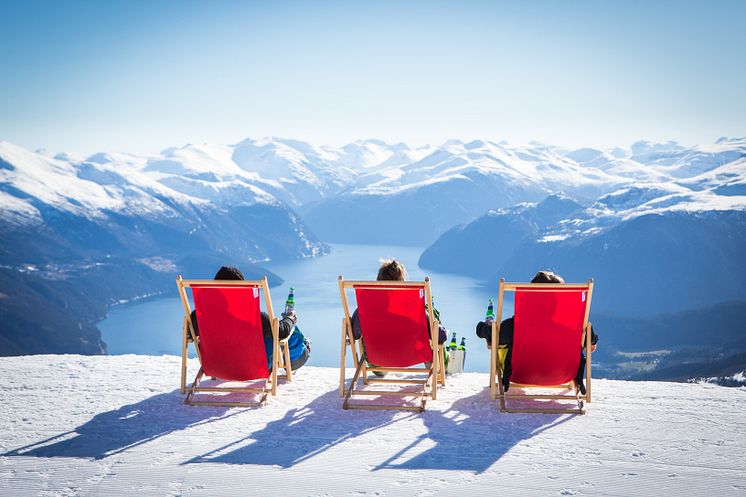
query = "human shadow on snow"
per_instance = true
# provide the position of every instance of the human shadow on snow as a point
(115, 431)
(469, 436)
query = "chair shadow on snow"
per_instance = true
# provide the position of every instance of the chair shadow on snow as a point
(301, 434)
(115, 431)
(471, 435)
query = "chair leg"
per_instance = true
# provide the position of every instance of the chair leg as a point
(442, 368)
(428, 390)
(288, 366)
(432, 380)
(493, 372)
(345, 404)
(497, 378)
(363, 360)
(343, 359)
(184, 358)
(193, 388)
(365, 371)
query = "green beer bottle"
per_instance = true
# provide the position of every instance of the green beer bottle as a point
(490, 316)
(436, 313)
(290, 302)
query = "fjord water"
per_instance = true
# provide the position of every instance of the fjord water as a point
(154, 327)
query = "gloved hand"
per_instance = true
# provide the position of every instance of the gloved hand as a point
(290, 315)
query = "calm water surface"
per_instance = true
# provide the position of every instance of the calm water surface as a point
(154, 327)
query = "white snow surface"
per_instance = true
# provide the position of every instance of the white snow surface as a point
(117, 425)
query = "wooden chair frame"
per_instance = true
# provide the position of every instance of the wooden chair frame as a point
(281, 360)
(496, 385)
(437, 369)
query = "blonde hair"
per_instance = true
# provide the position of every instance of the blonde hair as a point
(391, 270)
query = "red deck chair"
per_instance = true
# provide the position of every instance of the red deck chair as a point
(395, 333)
(550, 327)
(230, 345)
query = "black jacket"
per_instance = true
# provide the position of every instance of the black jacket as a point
(484, 330)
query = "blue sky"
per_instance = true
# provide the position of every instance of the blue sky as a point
(143, 75)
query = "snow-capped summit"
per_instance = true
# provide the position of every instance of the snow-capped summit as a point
(300, 173)
(106, 215)
(126, 197)
(703, 158)
(356, 183)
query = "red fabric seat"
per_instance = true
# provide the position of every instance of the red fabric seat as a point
(230, 332)
(548, 330)
(394, 325)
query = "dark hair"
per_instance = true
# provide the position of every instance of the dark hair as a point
(229, 273)
(547, 277)
(391, 270)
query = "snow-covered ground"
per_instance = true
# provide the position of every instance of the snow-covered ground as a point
(77, 425)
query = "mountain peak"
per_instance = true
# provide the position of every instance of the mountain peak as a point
(475, 144)
(584, 154)
(558, 204)
(644, 146)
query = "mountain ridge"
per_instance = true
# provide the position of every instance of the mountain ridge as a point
(276, 198)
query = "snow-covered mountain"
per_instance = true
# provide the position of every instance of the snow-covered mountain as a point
(653, 248)
(670, 286)
(195, 206)
(668, 262)
(453, 183)
(457, 182)
(667, 185)
(681, 162)
(80, 233)
(479, 248)
(366, 183)
(197, 192)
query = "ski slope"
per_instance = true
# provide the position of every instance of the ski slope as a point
(116, 425)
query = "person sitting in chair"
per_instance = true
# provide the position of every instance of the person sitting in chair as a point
(484, 330)
(392, 270)
(299, 346)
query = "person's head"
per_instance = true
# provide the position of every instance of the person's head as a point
(391, 270)
(547, 277)
(229, 273)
